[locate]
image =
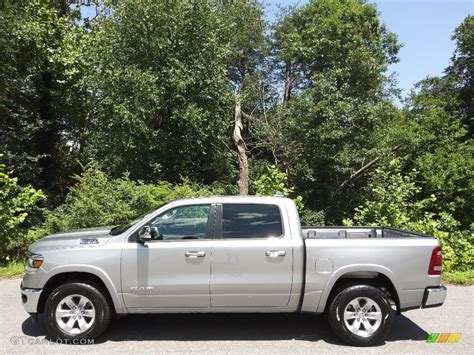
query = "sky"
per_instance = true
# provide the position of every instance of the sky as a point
(423, 26)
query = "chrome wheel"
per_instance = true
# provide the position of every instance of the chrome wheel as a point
(75, 314)
(362, 316)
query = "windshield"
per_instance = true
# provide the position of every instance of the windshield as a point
(123, 227)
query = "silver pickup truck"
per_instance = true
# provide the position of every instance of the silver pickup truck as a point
(231, 254)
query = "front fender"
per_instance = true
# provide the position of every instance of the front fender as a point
(93, 270)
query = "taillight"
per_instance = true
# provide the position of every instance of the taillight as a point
(436, 262)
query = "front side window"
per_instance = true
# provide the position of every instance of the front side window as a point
(251, 221)
(184, 222)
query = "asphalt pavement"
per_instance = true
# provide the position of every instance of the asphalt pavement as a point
(242, 333)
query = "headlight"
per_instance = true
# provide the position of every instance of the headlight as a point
(34, 261)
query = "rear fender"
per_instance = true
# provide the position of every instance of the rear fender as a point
(351, 269)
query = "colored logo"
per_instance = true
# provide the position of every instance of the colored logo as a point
(443, 338)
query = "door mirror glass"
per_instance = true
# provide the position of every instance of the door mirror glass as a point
(144, 233)
(147, 233)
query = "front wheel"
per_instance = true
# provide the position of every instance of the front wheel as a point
(77, 311)
(361, 315)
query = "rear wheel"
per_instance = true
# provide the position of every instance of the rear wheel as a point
(77, 311)
(361, 315)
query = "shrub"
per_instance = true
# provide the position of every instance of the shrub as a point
(97, 200)
(19, 211)
(312, 218)
(393, 202)
(274, 181)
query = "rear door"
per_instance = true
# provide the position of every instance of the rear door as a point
(252, 259)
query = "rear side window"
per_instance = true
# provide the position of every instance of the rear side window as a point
(251, 221)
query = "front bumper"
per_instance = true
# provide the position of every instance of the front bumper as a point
(30, 298)
(434, 296)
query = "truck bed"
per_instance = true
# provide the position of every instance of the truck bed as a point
(341, 232)
(367, 252)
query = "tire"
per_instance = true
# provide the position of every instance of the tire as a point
(361, 315)
(76, 311)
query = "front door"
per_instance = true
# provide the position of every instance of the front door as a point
(252, 259)
(173, 270)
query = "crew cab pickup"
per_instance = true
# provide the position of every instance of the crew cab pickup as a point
(231, 254)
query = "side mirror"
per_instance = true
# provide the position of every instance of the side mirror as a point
(144, 234)
(147, 233)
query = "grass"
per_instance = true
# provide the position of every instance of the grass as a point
(12, 269)
(459, 277)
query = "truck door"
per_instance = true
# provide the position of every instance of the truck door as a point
(172, 271)
(252, 259)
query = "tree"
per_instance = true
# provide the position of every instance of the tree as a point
(432, 140)
(460, 73)
(246, 36)
(432, 134)
(41, 103)
(161, 93)
(333, 54)
(392, 200)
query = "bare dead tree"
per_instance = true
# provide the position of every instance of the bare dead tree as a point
(243, 181)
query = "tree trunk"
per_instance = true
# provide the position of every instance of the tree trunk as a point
(288, 85)
(289, 81)
(243, 181)
(47, 138)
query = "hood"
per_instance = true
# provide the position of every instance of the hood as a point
(84, 238)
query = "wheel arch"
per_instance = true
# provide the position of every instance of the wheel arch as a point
(374, 275)
(86, 276)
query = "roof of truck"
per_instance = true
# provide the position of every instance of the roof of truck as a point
(234, 198)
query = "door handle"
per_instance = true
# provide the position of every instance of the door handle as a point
(195, 254)
(275, 253)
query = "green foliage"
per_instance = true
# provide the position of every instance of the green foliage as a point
(42, 105)
(163, 101)
(335, 54)
(458, 245)
(434, 133)
(18, 213)
(274, 181)
(342, 40)
(460, 74)
(245, 35)
(97, 200)
(12, 269)
(312, 218)
(459, 277)
(393, 201)
(430, 135)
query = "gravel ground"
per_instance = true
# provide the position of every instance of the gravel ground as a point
(241, 333)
